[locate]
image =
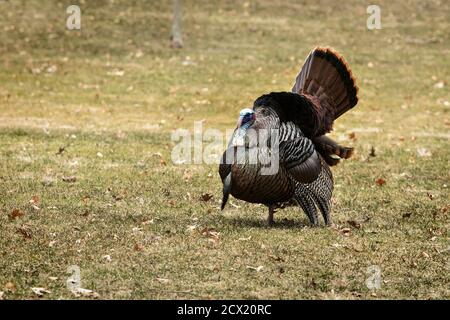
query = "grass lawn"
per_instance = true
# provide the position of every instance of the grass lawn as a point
(87, 180)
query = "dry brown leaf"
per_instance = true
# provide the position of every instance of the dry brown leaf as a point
(372, 152)
(346, 231)
(355, 224)
(15, 213)
(40, 291)
(69, 179)
(25, 232)
(206, 197)
(380, 181)
(138, 247)
(35, 200)
(352, 136)
(60, 150)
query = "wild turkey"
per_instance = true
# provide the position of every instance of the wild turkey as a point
(285, 133)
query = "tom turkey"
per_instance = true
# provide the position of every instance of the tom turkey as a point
(279, 153)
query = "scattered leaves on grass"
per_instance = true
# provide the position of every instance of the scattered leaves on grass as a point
(69, 179)
(40, 291)
(206, 197)
(380, 181)
(16, 213)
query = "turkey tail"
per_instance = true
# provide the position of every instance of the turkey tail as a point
(326, 76)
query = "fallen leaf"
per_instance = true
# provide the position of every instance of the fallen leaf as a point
(116, 72)
(352, 136)
(439, 85)
(346, 231)
(69, 179)
(162, 280)
(425, 255)
(355, 224)
(60, 150)
(257, 269)
(138, 247)
(107, 257)
(35, 200)
(372, 152)
(422, 152)
(81, 292)
(25, 232)
(210, 233)
(10, 286)
(40, 291)
(206, 197)
(15, 213)
(380, 181)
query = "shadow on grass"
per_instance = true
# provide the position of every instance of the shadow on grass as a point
(257, 222)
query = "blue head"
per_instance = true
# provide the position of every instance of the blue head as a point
(246, 118)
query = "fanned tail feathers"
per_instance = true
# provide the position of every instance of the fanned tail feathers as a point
(327, 76)
(327, 80)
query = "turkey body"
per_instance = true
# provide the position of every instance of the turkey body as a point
(284, 156)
